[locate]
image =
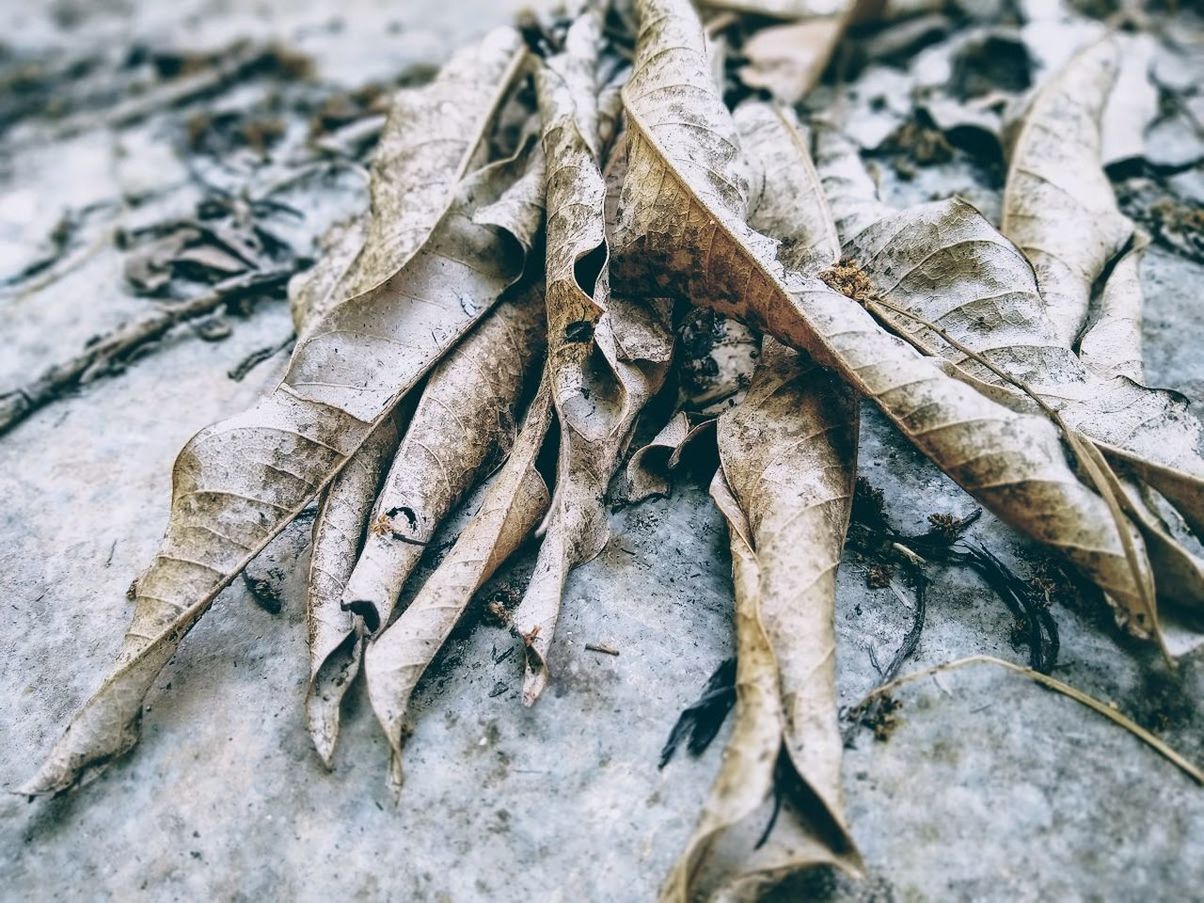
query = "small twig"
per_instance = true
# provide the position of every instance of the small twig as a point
(122, 342)
(1050, 683)
(912, 638)
(240, 370)
(601, 647)
(173, 93)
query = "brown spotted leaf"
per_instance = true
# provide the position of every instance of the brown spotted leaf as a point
(238, 483)
(947, 264)
(682, 230)
(720, 354)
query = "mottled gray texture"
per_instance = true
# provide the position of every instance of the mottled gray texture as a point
(989, 787)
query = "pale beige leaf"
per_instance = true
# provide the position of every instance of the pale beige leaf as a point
(788, 60)
(607, 354)
(311, 293)
(1058, 205)
(1060, 209)
(333, 637)
(334, 634)
(434, 136)
(851, 193)
(465, 415)
(1111, 343)
(1133, 104)
(786, 199)
(647, 473)
(788, 456)
(945, 263)
(788, 461)
(238, 483)
(357, 256)
(948, 265)
(682, 230)
(746, 776)
(513, 504)
(720, 354)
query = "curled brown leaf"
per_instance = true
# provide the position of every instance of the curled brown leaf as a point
(238, 483)
(513, 504)
(682, 230)
(607, 354)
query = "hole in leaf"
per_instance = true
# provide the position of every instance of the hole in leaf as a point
(587, 270)
(407, 512)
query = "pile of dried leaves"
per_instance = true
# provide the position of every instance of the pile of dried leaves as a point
(543, 213)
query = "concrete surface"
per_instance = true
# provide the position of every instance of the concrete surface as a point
(988, 789)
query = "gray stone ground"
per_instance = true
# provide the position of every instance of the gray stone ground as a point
(989, 788)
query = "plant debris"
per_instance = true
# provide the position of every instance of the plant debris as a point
(610, 223)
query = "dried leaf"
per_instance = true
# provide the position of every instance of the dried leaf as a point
(607, 354)
(788, 60)
(851, 193)
(647, 473)
(682, 230)
(238, 483)
(412, 177)
(945, 265)
(513, 504)
(788, 458)
(786, 199)
(335, 635)
(721, 354)
(458, 424)
(1133, 104)
(790, 448)
(1111, 345)
(1060, 209)
(312, 293)
(466, 414)
(1058, 205)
